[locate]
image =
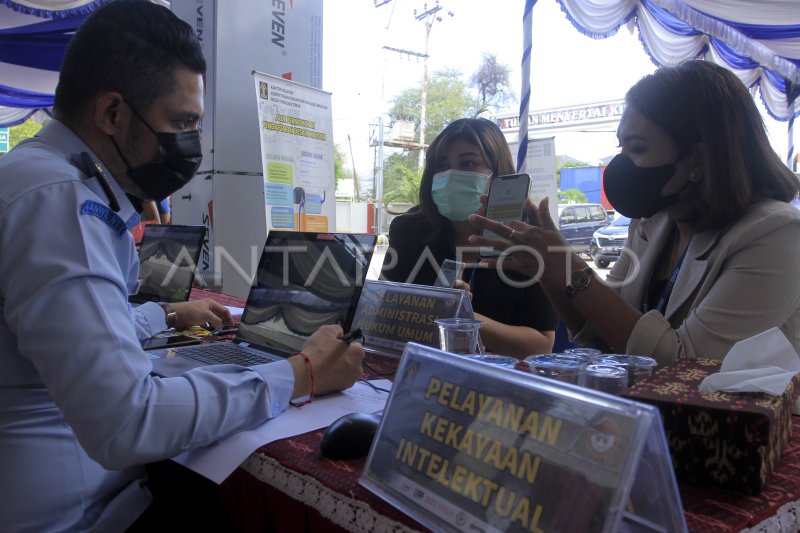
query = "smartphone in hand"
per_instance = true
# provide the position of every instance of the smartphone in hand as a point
(506, 202)
(449, 272)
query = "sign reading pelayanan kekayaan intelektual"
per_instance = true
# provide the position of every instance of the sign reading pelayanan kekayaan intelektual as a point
(466, 446)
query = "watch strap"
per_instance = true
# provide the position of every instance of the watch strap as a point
(579, 280)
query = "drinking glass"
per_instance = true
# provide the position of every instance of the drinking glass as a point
(562, 367)
(638, 366)
(460, 335)
(607, 378)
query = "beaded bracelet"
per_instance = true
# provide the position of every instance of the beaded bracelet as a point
(310, 378)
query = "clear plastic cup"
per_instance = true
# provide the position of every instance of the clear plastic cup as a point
(460, 335)
(638, 366)
(612, 379)
(505, 361)
(590, 353)
(562, 367)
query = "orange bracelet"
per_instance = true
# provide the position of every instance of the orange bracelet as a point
(310, 378)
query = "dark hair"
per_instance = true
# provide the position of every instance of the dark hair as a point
(701, 104)
(493, 147)
(130, 46)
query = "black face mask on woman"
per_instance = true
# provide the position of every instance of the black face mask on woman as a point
(636, 191)
(181, 154)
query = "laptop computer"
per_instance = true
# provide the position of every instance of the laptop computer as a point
(304, 280)
(168, 256)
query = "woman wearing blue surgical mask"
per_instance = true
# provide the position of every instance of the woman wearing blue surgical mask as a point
(712, 253)
(458, 166)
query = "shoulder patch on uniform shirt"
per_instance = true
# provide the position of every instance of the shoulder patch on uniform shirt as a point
(104, 213)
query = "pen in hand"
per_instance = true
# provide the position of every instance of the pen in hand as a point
(350, 337)
(225, 330)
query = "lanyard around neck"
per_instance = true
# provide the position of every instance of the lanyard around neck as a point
(661, 305)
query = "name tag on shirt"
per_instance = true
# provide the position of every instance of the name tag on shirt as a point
(104, 213)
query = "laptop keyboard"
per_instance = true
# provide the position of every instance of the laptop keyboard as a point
(226, 353)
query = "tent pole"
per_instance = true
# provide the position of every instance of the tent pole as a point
(525, 93)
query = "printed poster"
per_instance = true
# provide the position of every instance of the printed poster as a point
(540, 163)
(296, 134)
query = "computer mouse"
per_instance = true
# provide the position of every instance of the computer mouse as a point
(350, 436)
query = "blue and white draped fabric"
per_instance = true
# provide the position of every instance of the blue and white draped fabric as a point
(53, 8)
(791, 157)
(31, 49)
(525, 93)
(759, 41)
(33, 37)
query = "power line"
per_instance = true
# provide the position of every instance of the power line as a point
(406, 52)
(429, 16)
(391, 14)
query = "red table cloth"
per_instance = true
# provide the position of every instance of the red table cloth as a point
(289, 486)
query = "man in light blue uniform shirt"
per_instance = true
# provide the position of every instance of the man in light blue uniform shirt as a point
(79, 411)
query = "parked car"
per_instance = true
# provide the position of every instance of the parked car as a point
(608, 241)
(578, 222)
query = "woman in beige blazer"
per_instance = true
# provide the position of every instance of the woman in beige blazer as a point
(713, 252)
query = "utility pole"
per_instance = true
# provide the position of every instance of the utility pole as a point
(355, 177)
(380, 140)
(429, 16)
(378, 188)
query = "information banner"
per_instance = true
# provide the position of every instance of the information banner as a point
(540, 163)
(296, 132)
(467, 446)
(391, 314)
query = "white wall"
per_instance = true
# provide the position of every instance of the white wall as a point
(353, 217)
(230, 185)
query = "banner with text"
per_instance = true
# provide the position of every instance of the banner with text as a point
(540, 164)
(296, 131)
(391, 314)
(467, 446)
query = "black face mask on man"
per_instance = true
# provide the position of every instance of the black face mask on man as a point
(636, 191)
(181, 154)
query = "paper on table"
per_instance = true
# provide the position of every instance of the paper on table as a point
(763, 363)
(218, 461)
(235, 311)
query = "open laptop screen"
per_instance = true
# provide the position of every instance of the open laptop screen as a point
(304, 281)
(168, 257)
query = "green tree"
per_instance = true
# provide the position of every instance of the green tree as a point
(572, 196)
(401, 178)
(340, 171)
(492, 81)
(338, 163)
(449, 98)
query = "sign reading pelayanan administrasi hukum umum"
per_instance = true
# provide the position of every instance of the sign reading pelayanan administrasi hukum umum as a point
(391, 314)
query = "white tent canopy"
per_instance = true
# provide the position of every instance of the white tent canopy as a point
(33, 37)
(757, 39)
